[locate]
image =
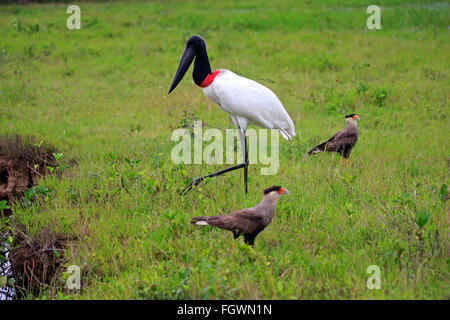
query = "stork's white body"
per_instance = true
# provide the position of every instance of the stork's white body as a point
(247, 101)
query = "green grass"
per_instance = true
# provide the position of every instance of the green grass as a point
(99, 95)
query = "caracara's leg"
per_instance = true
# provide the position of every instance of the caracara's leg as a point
(345, 155)
(235, 236)
(250, 239)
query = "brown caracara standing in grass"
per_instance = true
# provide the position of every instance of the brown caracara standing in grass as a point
(247, 222)
(343, 141)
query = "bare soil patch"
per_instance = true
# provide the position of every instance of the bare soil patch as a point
(22, 163)
(34, 261)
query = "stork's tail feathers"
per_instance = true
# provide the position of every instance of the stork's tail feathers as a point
(200, 221)
(288, 134)
(317, 149)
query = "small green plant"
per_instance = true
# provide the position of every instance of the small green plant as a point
(349, 209)
(17, 24)
(3, 206)
(130, 175)
(29, 51)
(362, 88)
(379, 97)
(32, 193)
(443, 192)
(422, 217)
(135, 128)
(169, 214)
(61, 166)
(349, 179)
(188, 120)
(58, 156)
(39, 144)
(32, 28)
(180, 291)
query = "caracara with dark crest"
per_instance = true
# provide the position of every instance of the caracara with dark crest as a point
(343, 141)
(247, 222)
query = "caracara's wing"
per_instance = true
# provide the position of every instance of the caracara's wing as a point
(343, 139)
(245, 221)
(321, 147)
(338, 141)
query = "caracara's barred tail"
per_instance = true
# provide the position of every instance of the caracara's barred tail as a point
(200, 221)
(321, 147)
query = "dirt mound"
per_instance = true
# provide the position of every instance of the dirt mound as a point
(22, 163)
(35, 262)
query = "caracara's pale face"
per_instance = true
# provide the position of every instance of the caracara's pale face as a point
(275, 195)
(352, 120)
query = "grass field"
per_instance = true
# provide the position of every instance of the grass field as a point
(99, 96)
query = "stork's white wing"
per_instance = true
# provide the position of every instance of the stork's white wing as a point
(245, 98)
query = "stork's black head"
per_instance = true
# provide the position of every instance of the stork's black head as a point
(195, 48)
(196, 43)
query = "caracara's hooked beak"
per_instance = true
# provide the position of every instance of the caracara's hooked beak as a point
(283, 191)
(185, 62)
(355, 117)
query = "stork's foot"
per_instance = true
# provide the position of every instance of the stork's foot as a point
(195, 182)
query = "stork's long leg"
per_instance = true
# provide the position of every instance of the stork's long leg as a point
(243, 138)
(244, 165)
(197, 181)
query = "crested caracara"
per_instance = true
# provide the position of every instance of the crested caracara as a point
(343, 141)
(247, 222)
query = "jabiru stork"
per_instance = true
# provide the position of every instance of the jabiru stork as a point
(244, 100)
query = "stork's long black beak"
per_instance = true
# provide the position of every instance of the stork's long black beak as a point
(185, 62)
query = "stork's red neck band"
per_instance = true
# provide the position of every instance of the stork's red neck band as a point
(209, 79)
